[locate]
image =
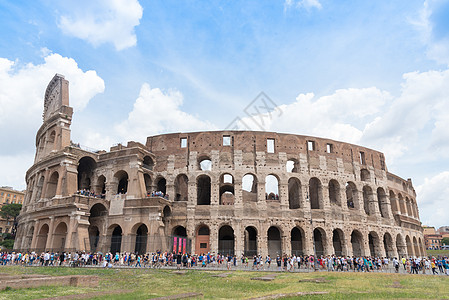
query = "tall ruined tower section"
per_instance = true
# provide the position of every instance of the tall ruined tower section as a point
(54, 134)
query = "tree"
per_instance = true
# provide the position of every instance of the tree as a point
(11, 211)
(445, 241)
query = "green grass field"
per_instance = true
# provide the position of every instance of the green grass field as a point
(146, 284)
(438, 252)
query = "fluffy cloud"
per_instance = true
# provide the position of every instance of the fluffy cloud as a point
(22, 88)
(432, 200)
(306, 4)
(157, 112)
(105, 21)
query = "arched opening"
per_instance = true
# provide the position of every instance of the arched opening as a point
(39, 187)
(94, 237)
(226, 240)
(42, 238)
(364, 175)
(367, 195)
(202, 239)
(51, 141)
(116, 240)
(374, 244)
(294, 193)
(274, 242)
(250, 241)
(86, 167)
(181, 188)
(416, 247)
(180, 231)
(408, 206)
(59, 237)
(141, 239)
(166, 213)
(101, 186)
(382, 202)
(148, 163)
(297, 245)
(292, 166)
(394, 202)
(319, 240)
(249, 188)
(334, 192)
(351, 195)
(122, 179)
(203, 188)
(52, 184)
(315, 193)
(388, 245)
(357, 243)
(148, 184)
(271, 187)
(408, 242)
(337, 242)
(227, 189)
(205, 164)
(400, 246)
(161, 185)
(401, 204)
(179, 239)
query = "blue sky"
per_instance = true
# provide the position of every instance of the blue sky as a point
(368, 72)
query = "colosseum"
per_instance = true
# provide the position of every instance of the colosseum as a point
(237, 192)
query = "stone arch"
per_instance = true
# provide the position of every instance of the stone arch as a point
(408, 242)
(365, 175)
(393, 202)
(202, 239)
(250, 236)
(52, 185)
(42, 238)
(401, 204)
(39, 187)
(51, 140)
(352, 195)
(116, 238)
(161, 185)
(148, 184)
(408, 206)
(59, 237)
(205, 163)
(292, 165)
(297, 237)
(382, 202)
(401, 246)
(148, 162)
(421, 247)
(374, 244)
(101, 186)
(94, 237)
(249, 188)
(334, 192)
(97, 219)
(227, 193)
(141, 238)
(357, 243)
(388, 245)
(181, 188)
(315, 193)
(122, 182)
(319, 241)
(86, 168)
(203, 188)
(294, 193)
(274, 239)
(226, 240)
(367, 199)
(416, 247)
(338, 241)
(271, 187)
(179, 231)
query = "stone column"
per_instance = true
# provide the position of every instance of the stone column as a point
(61, 173)
(239, 238)
(50, 233)
(70, 229)
(35, 232)
(213, 238)
(325, 201)
(283, 194)
(214, 191)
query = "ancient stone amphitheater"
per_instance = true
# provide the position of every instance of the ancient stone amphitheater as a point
(220, 192)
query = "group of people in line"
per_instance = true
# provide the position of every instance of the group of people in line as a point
(89, 193)
(157, 194)
(292, 263)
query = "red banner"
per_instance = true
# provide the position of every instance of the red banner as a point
(184, 249)
(175, 244)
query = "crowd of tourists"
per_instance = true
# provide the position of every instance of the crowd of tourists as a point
(157, 194)
(293, 263)
(89, 193)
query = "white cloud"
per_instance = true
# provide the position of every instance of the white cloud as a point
(432, 200)
(105, 21)
(22, 89)
(157, 112)
(306, 4)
